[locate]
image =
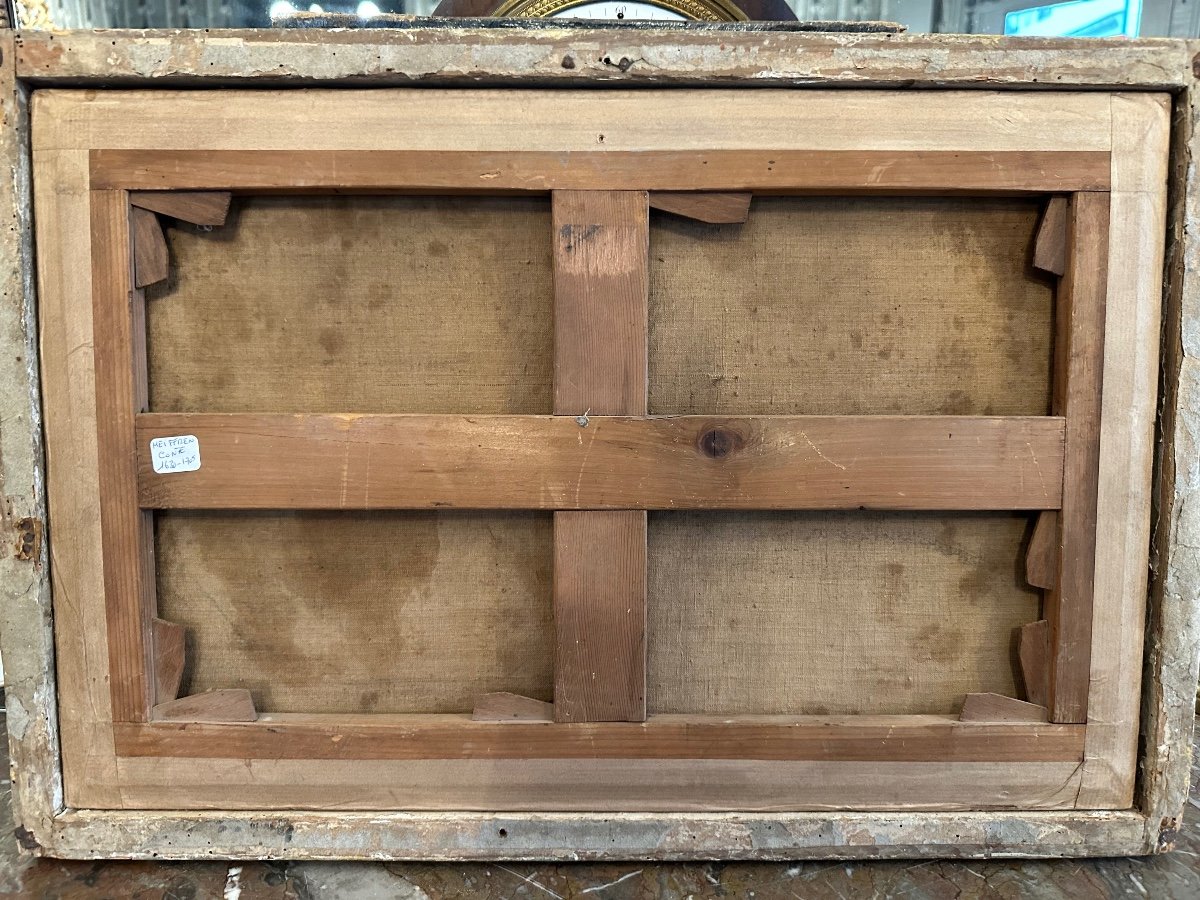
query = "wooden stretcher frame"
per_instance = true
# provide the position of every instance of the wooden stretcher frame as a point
(469, 55)
(91, 152)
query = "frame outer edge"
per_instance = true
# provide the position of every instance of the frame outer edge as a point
(26, 638)
(465, 55)
(179, 59)
(572, 837)
(1173, 627)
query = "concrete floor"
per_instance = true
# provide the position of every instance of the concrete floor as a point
(1175, 876)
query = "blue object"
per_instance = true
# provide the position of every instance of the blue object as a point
(1078, 18)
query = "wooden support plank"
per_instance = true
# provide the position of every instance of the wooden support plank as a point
(206, 208)
(1033, 651)
(169, 659)
(488, 171)
(1078, 371)
(80, 698)
(119, 347)
(601, 288)
(600, 616)
(1142, 130)
(714, 207)
(1050, 245)
(846, 738)
(273, 461)
(151, 263)
(1042, 555)
(640, 791)
(998, 708)
(506, 707)
(601, 325)
(683, 800)
(229, 705)
(561, 120)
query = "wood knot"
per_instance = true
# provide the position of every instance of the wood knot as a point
(718, 443)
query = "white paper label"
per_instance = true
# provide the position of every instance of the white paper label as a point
(175, 454)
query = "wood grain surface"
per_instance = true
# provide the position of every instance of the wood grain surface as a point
(120, 394)
(556, 120)
(601, 287)
(225, 705)
(851, 738)
(1050, 247)
(1033, 654)
(169, 659)
(600, 616)
(601, 325)
(1078, 377)
(1042, 554)
(553, 462)
(503, 706)
(998, 708)
(196, 207)
(151, 263)
(713, 207)
(491, 171)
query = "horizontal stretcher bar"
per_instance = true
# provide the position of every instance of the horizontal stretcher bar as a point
(493, 171)
(845, 739)
(273, 461)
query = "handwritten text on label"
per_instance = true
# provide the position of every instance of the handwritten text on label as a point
(175, 454)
